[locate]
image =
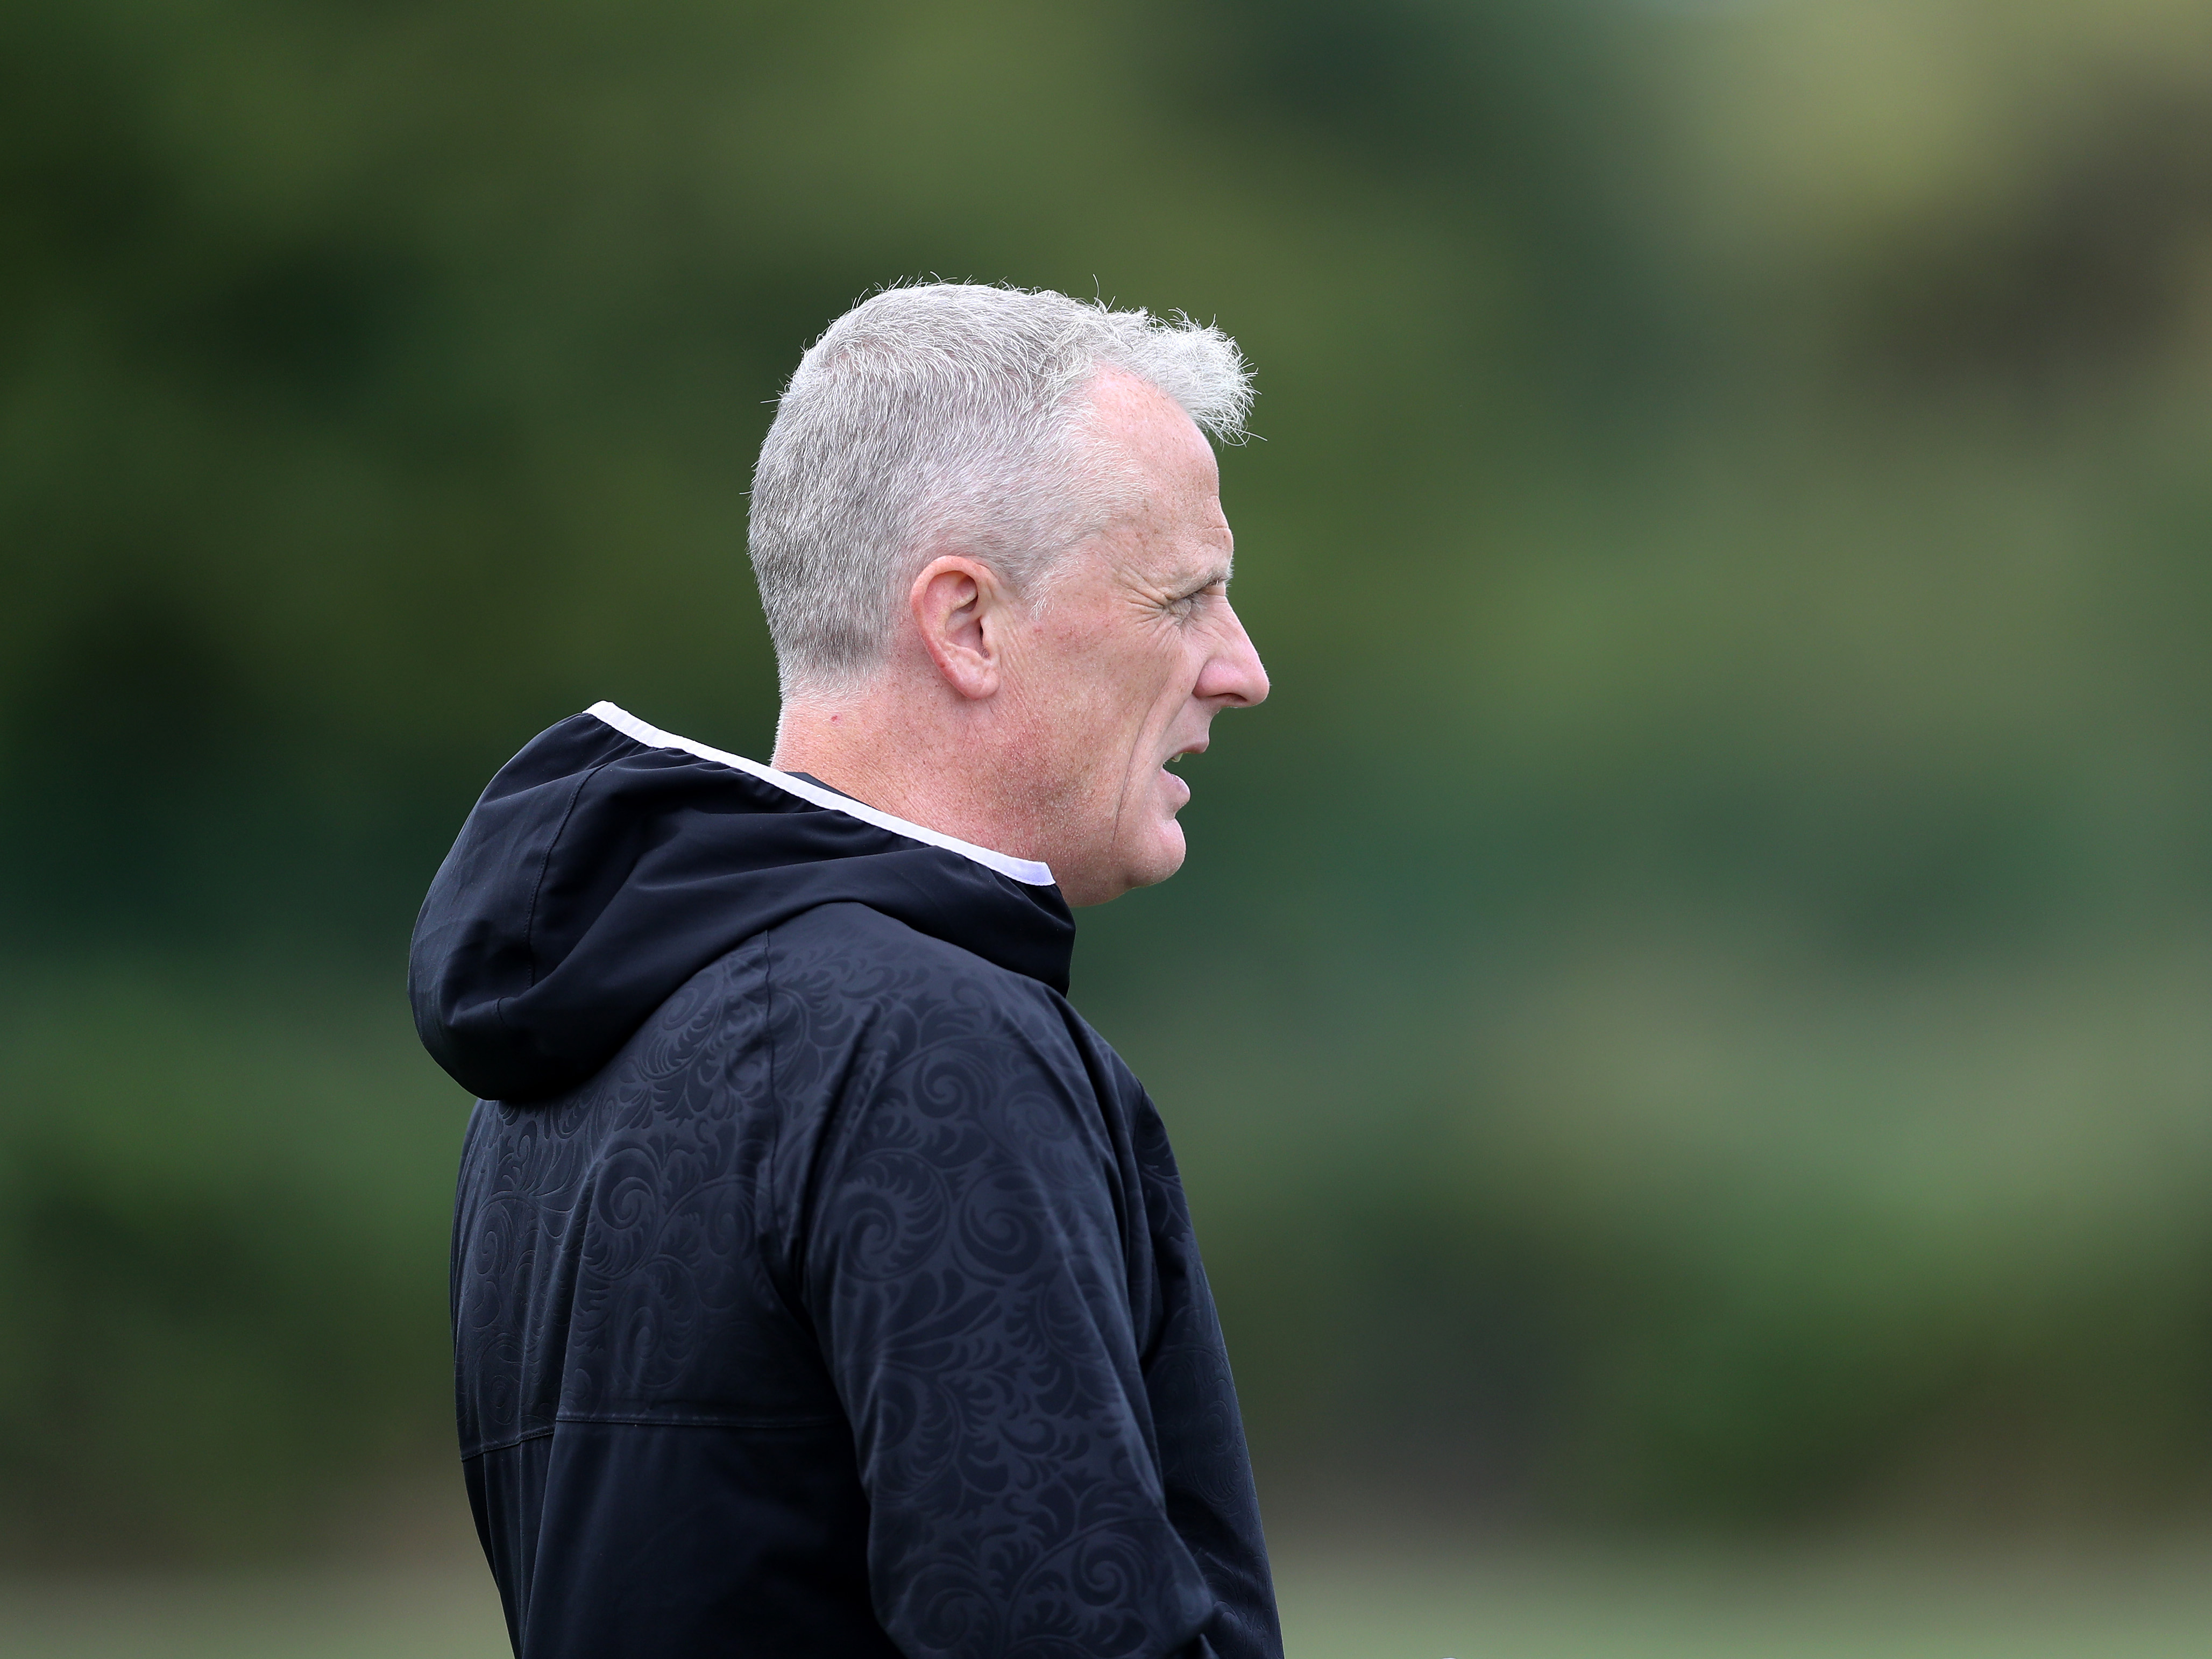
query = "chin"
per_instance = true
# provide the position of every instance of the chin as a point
(1161, 859)
(1109, 878)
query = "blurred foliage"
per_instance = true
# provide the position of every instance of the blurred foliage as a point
(221, 1214)
(1688, 1005)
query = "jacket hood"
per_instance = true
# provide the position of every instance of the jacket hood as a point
(609, 862)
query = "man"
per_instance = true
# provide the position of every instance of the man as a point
(822, 1284)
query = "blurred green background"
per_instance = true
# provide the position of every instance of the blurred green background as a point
(1686, 1017)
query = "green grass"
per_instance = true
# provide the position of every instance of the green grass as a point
(1361, 1605)
(1359, 1602)
(412, 1613)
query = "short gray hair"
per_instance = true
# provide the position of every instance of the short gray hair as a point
(947, 412)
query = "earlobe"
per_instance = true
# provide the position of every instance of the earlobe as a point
(957, 604)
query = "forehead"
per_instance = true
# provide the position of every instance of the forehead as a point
(1148, 431)
(1173, 522)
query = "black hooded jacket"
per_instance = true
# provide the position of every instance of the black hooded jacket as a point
(822, 1284)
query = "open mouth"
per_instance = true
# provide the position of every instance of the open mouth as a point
(1171, 773)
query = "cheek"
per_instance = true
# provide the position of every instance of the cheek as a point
(1157, 790)
(1109, 695)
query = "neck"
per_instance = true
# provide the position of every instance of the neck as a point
(904, 754)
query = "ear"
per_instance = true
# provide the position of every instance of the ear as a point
(960, 609)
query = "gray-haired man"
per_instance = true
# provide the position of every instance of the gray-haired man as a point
(822, 1282)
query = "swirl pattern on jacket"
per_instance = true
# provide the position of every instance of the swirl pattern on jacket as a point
(900, 1237)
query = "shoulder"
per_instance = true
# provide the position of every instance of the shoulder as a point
(849, 961)
(897, 1024)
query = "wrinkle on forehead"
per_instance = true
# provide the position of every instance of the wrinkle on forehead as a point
(1140, 432)
(1171, 534)
(1165, 560)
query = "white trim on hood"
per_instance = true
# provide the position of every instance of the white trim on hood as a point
(1028, 872)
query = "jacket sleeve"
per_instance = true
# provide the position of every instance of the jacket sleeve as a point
(970, 1277)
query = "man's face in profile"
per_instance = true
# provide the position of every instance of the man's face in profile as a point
(1132, 653)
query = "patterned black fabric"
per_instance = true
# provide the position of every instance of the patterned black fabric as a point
(851, 1306)
(597, 874)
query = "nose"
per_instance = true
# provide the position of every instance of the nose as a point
(1233, 674)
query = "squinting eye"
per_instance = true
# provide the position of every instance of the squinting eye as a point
(1187, 604)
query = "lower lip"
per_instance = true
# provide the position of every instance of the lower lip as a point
(1179, 788)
